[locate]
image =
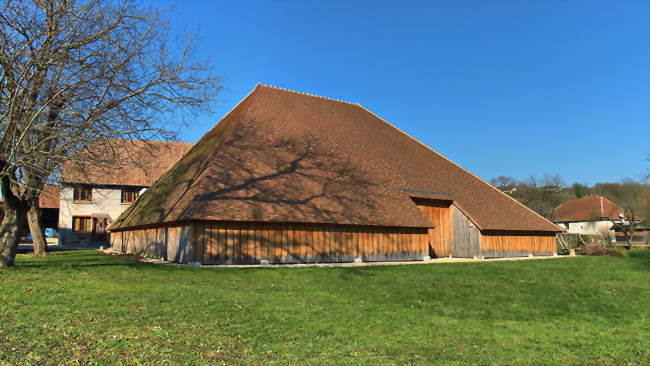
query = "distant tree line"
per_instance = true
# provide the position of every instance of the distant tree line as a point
(544, 194)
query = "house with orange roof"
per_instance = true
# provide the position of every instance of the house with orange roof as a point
(103, 180)
(593, 215)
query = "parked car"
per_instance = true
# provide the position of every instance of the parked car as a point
(49, 233)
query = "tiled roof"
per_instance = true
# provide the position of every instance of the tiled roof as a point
(49, 197)
(124, 162)
(285, 156)
(587, 209)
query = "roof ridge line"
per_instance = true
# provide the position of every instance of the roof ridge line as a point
(307, 94)
(452, 162)
(602, 210)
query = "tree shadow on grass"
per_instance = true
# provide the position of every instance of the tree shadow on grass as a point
(640, 259)
(640, 253)
(77, 259)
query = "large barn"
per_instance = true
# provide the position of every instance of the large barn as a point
(289, 177)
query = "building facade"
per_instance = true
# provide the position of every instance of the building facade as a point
(596, 227)
(289, 177)
(87, 210)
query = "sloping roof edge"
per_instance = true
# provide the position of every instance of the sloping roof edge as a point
(468, 215)
(467, 171)
(125, 215)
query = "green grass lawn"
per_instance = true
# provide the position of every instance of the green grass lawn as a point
(81, 307)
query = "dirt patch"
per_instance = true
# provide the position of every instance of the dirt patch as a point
(598, 249)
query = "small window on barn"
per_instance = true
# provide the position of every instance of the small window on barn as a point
(130, 195)
(83, 194)
(82, 224)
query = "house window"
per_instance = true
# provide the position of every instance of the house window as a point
(82, 224)
(129, 195)
(83, 194)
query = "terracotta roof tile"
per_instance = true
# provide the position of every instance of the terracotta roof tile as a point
(587, 209)
(49, 197)
(285, 156)
(124, 162)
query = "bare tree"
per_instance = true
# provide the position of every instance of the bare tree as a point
(76, 71)
(503, 181)
(542, 196)
(604, 234)
(627, 223)
(552, 181)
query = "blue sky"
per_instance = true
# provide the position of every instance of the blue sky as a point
(501, 87)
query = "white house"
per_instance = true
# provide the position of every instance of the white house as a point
(593, 215)
(93, 195)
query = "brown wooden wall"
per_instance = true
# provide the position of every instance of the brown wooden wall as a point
(466, 242)
(513, 244)
(248, 243)
(454, 233)
(171, 243)
(442, 234)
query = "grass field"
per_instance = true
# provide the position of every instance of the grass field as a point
(82, 307)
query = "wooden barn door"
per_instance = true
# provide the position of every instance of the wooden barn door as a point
(440, 236)
(466, 236)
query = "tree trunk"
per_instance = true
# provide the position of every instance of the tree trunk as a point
(9, 231)
(36, 228)
(12, 221)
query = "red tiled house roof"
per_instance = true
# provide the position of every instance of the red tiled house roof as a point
(587, 209)
(124, 162)
(49, 197)
(284, 156)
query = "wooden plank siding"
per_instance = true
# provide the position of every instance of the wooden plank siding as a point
(454, 233)
(441, 235)
(249, 243)
(514, 244)
(466, 239)
(169, 243)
